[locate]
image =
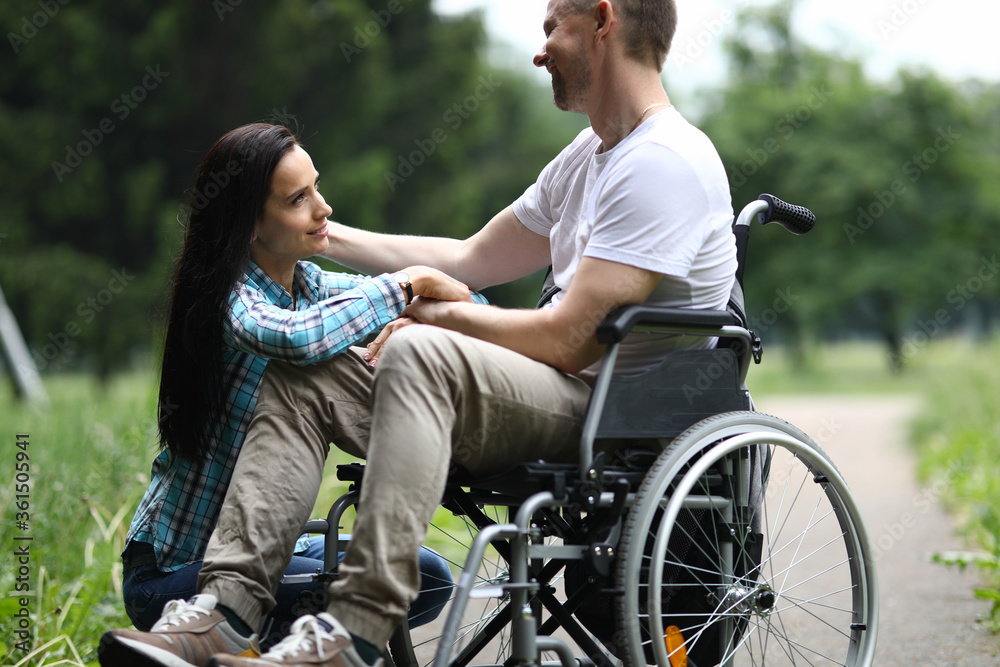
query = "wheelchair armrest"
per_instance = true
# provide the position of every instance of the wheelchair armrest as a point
(619, 323)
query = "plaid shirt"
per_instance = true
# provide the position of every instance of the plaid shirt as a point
(335, 310)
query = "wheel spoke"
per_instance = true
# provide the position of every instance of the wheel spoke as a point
(792, 599)
(753, 573)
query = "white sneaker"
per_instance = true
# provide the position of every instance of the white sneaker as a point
(310, 644)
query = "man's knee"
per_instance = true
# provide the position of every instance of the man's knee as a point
(421, 350)
(418, 338)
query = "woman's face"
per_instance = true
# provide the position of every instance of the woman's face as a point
(293, 225)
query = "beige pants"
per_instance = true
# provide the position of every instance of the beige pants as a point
(437, 397)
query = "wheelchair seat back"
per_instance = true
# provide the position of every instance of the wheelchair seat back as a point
(686, 387)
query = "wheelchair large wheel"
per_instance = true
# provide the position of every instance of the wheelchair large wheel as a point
(745, 547)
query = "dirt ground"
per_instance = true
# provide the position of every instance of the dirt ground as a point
(928, 612)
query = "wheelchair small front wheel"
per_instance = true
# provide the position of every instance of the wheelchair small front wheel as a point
(745, 541)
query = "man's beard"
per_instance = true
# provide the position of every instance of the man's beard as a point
(569, 95)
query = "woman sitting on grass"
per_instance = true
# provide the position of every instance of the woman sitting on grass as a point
(242, 296)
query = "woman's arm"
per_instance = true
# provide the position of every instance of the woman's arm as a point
(328, 327)
(313, 334)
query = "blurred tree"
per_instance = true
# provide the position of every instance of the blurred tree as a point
(898, 175)
(106, 107)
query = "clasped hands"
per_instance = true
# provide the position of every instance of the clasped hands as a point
(432, 289)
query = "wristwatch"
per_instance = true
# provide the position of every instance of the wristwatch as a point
(403, 278)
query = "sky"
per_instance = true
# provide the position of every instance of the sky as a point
(957, 38)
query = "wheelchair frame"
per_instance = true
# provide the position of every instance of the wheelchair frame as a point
(625, 527)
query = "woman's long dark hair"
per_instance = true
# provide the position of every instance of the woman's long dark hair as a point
(232, 185)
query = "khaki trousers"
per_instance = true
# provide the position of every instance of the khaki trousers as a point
(437, 397)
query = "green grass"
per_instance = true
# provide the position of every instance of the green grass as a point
(91, 450)
(89, 461)
(89, 454)
(957, 441)
(855, 367)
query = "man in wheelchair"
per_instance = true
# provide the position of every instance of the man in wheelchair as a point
(636, 210)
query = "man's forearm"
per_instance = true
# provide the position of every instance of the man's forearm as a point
(562, 336)
(542, 335)
(374, 253)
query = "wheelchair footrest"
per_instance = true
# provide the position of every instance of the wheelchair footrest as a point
(483, 592)
(500, 590)
(560, 551)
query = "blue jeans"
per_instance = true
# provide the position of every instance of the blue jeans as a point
(146, 591)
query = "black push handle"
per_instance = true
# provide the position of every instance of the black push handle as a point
(796, 219)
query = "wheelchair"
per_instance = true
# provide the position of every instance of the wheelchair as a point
(716, 536)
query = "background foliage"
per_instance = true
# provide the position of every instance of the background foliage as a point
(957, 442)
(899, 174)
(107, 107)
(106, 110)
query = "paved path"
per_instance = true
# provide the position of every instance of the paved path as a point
(928, 612)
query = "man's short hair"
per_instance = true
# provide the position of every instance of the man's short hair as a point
(648, 26)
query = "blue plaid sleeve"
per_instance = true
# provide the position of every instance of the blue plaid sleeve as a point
(349, 309)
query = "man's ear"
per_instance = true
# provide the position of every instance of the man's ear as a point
(605, 16)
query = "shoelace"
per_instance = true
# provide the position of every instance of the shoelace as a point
(177, 612)
(306, 632)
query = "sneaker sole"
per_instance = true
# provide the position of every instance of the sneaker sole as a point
(114, 651)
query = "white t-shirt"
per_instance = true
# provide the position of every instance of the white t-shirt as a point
(659, 201)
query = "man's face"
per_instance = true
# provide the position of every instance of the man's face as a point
(566, 56)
